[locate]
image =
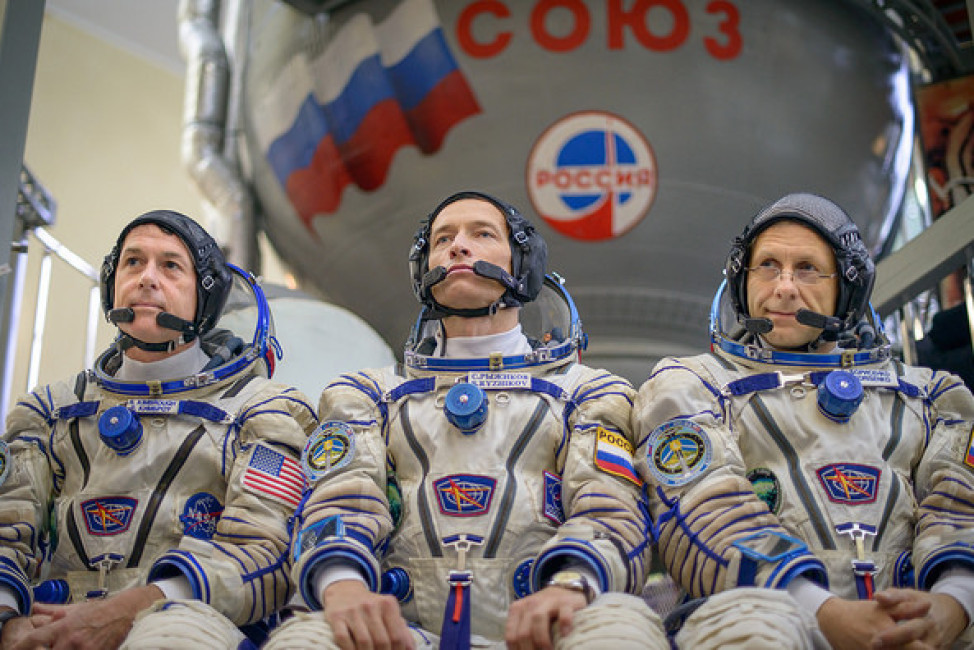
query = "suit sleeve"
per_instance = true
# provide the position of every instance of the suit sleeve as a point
(346, 517)
(26, 491)
(945, 481)
(606, 522)
(244, 570)
(713, 532)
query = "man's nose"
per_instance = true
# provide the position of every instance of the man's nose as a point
(460, 246)
(148, 275)
(786, 283)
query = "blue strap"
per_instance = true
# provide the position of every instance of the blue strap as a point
(455, 633)
(548, 388)
(79, 410)
(412, 387)
(203, 410)
(754, 383)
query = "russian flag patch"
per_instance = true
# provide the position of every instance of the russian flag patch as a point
(613, 454)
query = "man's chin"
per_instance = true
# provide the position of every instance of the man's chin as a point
(153, 335)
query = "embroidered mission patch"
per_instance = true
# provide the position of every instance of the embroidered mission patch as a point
(464, 495)
(850, 483)
(200, 514)
(553, 509)
(331, 447)
(679, 451)
(968, 459)
(766, 486)
(613, 454)
(108, 515)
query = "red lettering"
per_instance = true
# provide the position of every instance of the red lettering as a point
(731, 46)
(603, 178)
(552, 43)
(476, 49)
(636, 19)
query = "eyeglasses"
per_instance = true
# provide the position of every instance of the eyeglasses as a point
(806, 276)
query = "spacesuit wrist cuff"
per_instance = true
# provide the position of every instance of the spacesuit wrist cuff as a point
(570, 552)
(958, 554)
(180, 564)
(337, 551)
(12, 577)
(772, 559)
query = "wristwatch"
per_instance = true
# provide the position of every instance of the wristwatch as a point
(575, 581)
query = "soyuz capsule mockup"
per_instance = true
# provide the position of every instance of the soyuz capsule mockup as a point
(638, 135)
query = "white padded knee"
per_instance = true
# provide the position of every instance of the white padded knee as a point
(303, 630)
(748, 619)
(617, 621)
(310, 630)
(182, 624)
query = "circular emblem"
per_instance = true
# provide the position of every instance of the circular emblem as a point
(679, 452)
(592, 176)
(4, 461)
(330, 447)
(200, 515)
(766, 486)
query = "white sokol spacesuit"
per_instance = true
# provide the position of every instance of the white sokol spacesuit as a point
(475, 478)
(108, 483)
(848, 469)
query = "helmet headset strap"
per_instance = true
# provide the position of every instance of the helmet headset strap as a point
(485, 270)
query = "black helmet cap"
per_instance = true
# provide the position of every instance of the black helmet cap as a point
(857, 273)
(529, 253)
(213, 277)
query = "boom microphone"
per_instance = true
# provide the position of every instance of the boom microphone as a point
(121, 315)
(758, 325)
(173, 322)
(818, 321)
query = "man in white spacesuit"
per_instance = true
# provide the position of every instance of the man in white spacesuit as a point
(165, 474)
(800, 456)
(484, 491)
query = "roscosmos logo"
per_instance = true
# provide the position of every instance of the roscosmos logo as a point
(592, 176)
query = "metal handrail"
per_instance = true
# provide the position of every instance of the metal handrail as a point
(941, 249)
(53, 247)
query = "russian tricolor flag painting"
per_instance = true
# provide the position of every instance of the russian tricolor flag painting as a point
(374, 89)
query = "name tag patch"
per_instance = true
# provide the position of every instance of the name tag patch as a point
(500, 380)
(613, 455)
(850, 483)
(875, 378)
(464, 495)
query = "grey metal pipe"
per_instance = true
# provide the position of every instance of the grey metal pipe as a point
(204, 129)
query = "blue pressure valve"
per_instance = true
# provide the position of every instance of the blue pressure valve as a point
(839, 395)
(120, 429)
(395, 582)
(466, 407)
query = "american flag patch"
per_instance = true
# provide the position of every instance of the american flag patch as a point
(274, 475)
